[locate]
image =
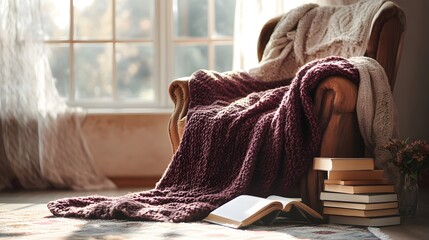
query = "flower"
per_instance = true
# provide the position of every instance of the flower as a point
(410, 158)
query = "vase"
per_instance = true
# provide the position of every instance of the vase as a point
(408, 196)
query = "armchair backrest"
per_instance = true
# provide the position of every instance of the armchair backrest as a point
(384, 45)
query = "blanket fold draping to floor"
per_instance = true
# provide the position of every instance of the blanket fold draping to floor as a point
(243, 136)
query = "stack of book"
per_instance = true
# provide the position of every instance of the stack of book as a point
(357, 194)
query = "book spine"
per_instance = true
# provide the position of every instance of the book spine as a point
(343, 164)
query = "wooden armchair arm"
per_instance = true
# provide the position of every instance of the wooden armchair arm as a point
(335, 105)
(179, 94)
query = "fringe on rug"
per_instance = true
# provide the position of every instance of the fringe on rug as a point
(378, 233)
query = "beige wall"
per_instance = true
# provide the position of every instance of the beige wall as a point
(129, 145)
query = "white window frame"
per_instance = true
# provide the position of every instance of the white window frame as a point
(163, 42)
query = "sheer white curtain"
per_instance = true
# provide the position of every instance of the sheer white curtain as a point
(41, 145)
(251, 15)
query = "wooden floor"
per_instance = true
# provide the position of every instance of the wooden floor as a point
(416, 227)
(412, 228)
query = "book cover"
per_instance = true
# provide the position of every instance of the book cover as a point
(245, 210)
(355, 174)
(342, 164)
(361, 206)
(360, 213)
(358, 198)
(381, 181)
(390, 188)
(368, 222)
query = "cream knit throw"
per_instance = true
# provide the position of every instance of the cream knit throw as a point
(311, 32)
(375, 111)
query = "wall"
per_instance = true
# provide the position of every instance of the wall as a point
(412, 85)
(129, 145)
(412, 88)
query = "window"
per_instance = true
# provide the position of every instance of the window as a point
(124, 53)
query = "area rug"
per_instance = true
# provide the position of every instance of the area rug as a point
(34, 221)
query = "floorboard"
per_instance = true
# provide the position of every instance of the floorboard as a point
(411, 228)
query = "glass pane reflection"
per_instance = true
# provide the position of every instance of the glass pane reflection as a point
(135, 71)
(56, 19)
(224, 17)
(190, 18)
(92, 19)
(93, 71)
(135, 19)
(223, 58)
(189, 58)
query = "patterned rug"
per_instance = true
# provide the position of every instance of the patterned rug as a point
(34, 221)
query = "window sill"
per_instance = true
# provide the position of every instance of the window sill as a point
(129, 111)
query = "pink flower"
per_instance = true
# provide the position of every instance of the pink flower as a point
(412, 158)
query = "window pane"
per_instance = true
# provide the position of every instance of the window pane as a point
(92, 19)
(56, 19)
(224, 17)
(93, 71)
(59, 60)
(189, 58)
(135, 71)
(223, 58)
(190, 18)
(134, 19)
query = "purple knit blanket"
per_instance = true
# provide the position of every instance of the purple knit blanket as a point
(242, 136)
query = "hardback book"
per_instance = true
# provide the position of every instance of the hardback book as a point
(380, 181)
(355, 174)
(361, 206)
(368, 222)
(390, 188)
(359, 198)
(342, 164)
(360, 213)
(245, 210)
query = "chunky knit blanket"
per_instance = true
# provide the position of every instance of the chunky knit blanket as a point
(311, 32)
(243, 136)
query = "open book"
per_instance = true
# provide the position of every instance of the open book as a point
(245, 210)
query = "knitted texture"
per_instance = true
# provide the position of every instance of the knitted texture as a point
(311, 32)
(243, 136)
(375, 110)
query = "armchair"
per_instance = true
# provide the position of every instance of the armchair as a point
(335, 97)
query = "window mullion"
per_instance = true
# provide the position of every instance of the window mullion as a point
(72, 97)
(210, 32)
(164, 47)
(114, 73)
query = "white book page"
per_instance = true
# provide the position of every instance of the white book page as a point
(241, 207)
(283, 200)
